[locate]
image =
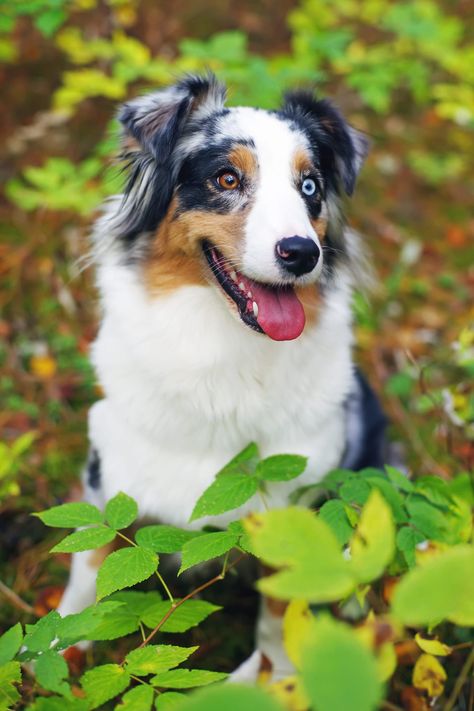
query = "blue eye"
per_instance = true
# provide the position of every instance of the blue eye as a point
(308, 187)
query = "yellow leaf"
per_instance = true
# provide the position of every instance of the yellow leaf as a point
(432, 646)
(386, 661)
(43, 366)
(429, 675)
(290, 693)
(373, 544)
(297, 630)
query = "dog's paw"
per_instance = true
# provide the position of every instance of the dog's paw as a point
(260, 667)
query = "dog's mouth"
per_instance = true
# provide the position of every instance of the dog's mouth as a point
(275, 311)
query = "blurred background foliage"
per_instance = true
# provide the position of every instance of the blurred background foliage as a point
(402, 71)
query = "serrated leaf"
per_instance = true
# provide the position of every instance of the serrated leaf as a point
(281, 467)
(435, 489)
(121, 511)
(76, 627)
(103, 683)
(426, 517)
(85, 539)
(10, 674)
(124, 568)
(39, 636)
(51, 670)
(334, 514)
(169, 700)
(187, 615)
(10, 643)
(227, 492)
(407, 539)
(355, 490)
(156, 658)
(393, 498)
(441, 589)
(71, 515)
(373, 544)
(138, 699)
(288, 539)
(432, 646)
(206, 547)
(57, 703)
(339, 671)
(429, 675)
(186, 678)
(231, 697)
(398, 479)
(164, 539)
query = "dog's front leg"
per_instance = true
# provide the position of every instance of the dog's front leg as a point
(270, 658)
(80, 591)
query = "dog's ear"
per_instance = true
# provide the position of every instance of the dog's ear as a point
(153, 123)
(341, 148)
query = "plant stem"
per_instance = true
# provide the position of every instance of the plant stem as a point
(460, 681)
(175, 605)
(16, 599)
(166, 588)
(125, 538)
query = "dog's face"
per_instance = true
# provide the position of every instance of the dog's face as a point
(242, 199)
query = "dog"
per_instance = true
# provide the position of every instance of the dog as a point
(226, 273)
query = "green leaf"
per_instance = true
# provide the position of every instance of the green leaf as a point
(339, 671)
(393, 498)
(186, 678)
(230, 697)
(10, 643)
(187, 615)
(206, 547)
(245, 462)
(85, 539)
(83, 625)
(398, 479)
(39, 636)
(227, 492)
(164, 539)
(71, 515)
(373, 544)
(407, 540)
(104, 682)
(334, 514)
(10, 674)
(435, 490)
(169, 700)
(441, 589)
(57, 703)
(281, 467)
(427, 518)
(156, 658)
(355, 490)
(121, 511)
(138, 699)
(51, 670)
(305, 547)
(125, 568)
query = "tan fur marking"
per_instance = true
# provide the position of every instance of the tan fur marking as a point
(320, 226)
(244, 159)
(302, 163)
(176, 257)
(311, 300)
(98, 556)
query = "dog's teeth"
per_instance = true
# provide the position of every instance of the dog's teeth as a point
(242, 286)
(255, 308)
(249, 294)
(233, 275)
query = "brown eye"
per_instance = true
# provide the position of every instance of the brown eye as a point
(228, 180)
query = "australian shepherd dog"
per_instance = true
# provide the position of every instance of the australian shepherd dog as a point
(226, 273)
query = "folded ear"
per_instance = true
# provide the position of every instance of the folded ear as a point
(154, 122)
(341, 148)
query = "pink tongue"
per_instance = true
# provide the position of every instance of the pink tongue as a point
(280, 313)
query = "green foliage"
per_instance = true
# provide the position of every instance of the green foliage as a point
(11, 458)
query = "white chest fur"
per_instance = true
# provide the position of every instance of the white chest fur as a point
(187, 387)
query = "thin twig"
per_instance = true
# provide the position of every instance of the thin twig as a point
(16, 599)
(460, 681)
(176, 604)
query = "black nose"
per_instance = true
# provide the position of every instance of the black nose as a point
(298, 255)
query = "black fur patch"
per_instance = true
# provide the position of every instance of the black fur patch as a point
(366, 425)
(93, 472)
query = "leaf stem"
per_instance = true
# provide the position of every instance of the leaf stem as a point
(175, 605)
(166, 588)
(126, 538)
(460, 681)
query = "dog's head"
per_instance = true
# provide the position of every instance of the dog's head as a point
(242, 199)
